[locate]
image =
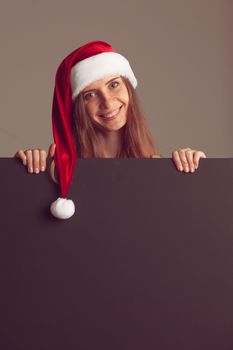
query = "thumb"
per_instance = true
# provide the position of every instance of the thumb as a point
(51, 151)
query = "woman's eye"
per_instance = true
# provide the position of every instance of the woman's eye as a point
(87, 96)
(115, 82)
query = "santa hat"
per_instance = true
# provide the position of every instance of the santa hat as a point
(90, 62)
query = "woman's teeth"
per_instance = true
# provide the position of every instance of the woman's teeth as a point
(109, 115)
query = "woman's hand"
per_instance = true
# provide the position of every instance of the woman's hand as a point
(187, 159)
(35, 159)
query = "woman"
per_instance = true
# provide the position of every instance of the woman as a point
(109, 132)
(95, 101)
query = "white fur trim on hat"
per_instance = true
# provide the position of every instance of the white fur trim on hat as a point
(62, 208)
(97, 67)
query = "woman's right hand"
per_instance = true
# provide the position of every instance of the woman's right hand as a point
(35, 159)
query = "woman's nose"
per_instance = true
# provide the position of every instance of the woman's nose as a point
(106, 101)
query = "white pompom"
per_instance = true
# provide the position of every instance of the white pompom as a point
(62, 208)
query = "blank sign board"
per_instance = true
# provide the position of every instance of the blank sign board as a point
(146, 262)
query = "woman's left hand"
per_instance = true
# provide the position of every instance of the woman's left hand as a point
(187, 159)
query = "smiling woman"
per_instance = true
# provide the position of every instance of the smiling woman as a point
(96, 113)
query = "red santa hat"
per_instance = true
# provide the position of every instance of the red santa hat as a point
(90, 62)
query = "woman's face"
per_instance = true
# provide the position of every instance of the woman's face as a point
(107, 101)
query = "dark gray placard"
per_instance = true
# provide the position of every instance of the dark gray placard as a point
(146, 262)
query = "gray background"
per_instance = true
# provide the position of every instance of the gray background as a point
(179, 50)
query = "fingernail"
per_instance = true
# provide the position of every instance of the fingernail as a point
(181, 168)
(30, 170)
(37, 170)
(42, 168)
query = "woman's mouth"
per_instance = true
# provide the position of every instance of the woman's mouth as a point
(111, 115)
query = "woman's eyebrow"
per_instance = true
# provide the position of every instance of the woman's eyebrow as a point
(105, 84)
(112, 80)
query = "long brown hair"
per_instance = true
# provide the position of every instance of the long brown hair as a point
(137, 140)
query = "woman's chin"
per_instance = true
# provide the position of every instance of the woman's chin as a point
(116, 127)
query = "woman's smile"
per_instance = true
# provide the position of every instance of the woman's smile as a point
(112, 115)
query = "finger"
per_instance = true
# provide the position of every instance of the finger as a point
(189, 157)
(42, 160)
(51, 151)
(177, 161)
(29, 160)
(20, 154)
(36, 160)
(197, 156)
(184, 161)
